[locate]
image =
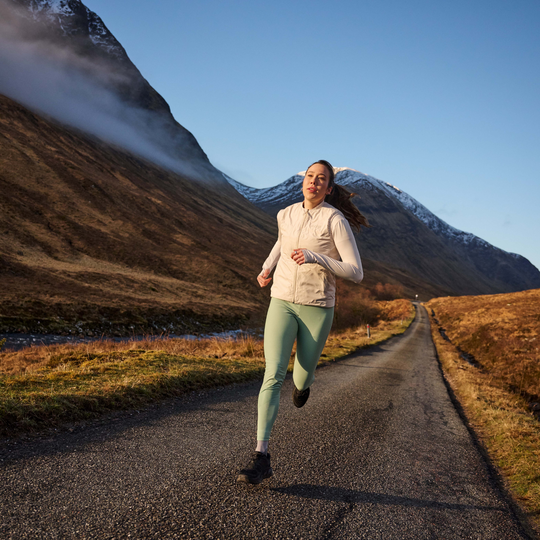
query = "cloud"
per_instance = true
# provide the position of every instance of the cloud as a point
(75, 90)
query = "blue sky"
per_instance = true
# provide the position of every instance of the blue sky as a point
(438, 98)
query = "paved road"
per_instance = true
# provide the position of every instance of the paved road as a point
(378, 452)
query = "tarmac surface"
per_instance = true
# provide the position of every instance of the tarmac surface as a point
(378, 452)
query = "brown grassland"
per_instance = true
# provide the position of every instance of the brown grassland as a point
(49, 385)
(491, 358)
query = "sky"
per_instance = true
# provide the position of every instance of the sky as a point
(440, 99)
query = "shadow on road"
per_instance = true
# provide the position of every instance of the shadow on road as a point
(109, 427)
(310, 491)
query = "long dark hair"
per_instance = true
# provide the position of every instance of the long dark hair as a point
(340, 198)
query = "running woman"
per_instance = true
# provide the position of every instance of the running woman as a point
(314, 245)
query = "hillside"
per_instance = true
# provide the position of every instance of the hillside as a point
(498, 333)
(88, 232)
(407, 237)
(59, 58)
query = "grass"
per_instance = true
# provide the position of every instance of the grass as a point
(49, 385)
(498, 393)
(501, 332)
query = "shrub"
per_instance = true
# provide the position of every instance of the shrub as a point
(355, 307)
(387, 291)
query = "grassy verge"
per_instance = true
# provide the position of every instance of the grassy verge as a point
(46, 386)
(502, 419)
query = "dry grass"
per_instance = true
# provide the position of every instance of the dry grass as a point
(44, 386)
(357, 307)
(501, 332)
(496, 396)
(40, 357)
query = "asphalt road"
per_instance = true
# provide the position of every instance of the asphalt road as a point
(378, 452)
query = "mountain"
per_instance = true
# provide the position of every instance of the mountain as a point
(406, 236)
(112, 218)
(57, 57)
(96, 239)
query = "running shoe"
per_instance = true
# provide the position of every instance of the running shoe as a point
(300, 397)
(257, 470)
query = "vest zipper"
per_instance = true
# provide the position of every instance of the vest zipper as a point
(297, 245)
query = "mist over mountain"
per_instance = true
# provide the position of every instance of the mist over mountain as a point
(58, 57)
(407, 236)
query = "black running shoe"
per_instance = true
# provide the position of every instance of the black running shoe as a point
(299, 397)
(257, 470)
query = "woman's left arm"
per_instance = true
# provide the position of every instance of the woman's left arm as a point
(350, 266)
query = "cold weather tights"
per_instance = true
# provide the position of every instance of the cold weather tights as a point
(285, 322)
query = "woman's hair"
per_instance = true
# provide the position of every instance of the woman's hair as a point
(340, 198)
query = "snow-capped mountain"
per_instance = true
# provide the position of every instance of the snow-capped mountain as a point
(409, 236)
(354, 179)
(72, 18)
(58, 57)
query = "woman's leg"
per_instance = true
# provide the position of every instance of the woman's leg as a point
(279, 334)
(285, 322)
(314, 325)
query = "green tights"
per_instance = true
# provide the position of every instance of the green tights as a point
(285, 322)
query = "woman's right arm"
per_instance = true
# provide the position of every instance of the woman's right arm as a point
(272, 259)
(269, 265)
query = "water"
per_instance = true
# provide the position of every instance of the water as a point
(15, 342)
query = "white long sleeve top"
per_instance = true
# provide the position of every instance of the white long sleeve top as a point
(326, 239)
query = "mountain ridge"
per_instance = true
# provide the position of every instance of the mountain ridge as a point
(78, 73)
(474, 265)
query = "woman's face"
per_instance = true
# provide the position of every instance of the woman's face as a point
(315, 186)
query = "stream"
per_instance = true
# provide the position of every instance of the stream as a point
(16, 342)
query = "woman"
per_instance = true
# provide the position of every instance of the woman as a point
(315, 244)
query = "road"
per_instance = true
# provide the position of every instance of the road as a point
(378, 452)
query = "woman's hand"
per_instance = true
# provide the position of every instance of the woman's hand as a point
(298, 256)
(263, 278)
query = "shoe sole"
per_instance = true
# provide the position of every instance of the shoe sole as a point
(297, 403)
(245, 479)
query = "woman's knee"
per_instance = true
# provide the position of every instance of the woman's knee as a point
(272, 383)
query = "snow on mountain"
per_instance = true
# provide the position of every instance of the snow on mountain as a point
(60, 59)
(100, 35)
(248, 192)
(69, 15)
(354, 180)
(351, 177)
(50, 7)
